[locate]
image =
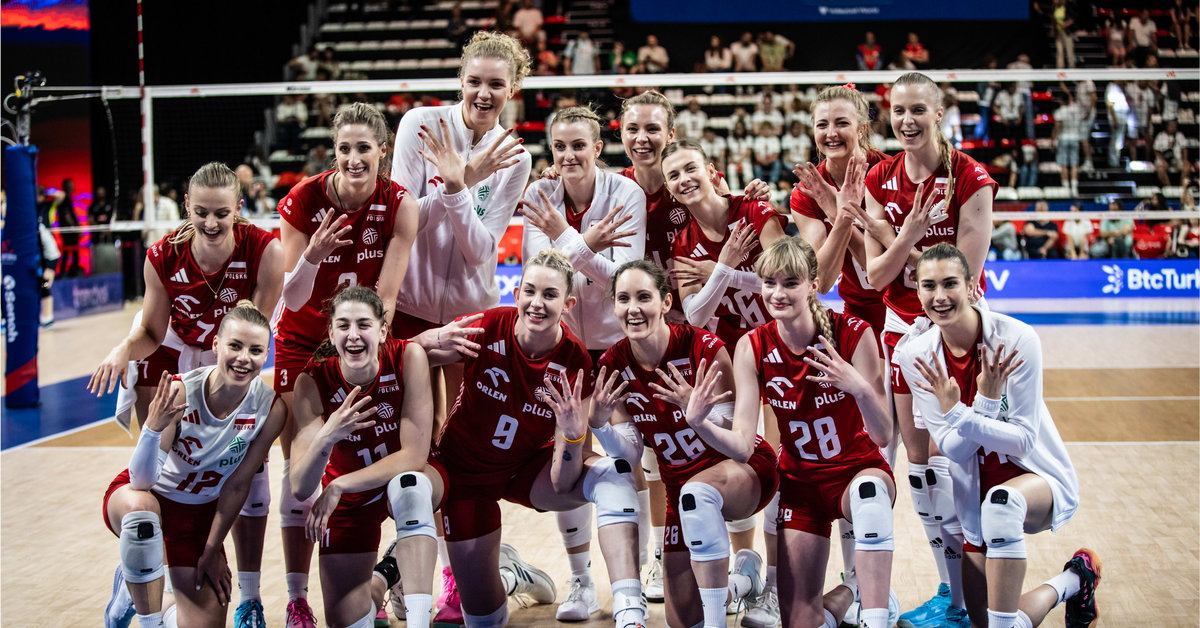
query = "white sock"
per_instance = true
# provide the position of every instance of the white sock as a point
(830, 620)
(996, 619)
(713, 601)
(509, 580)
(772, 571)
(581, 566)
(657, 533)
(739, 586)
(297, 585)
(933, 531)
(418, 608)
(1023, 620)
(443, 553)
(846, 544)
(248, 585)
(171, 617)
(154, 620)
(1066, 584)
(873, 618)
(644, 528)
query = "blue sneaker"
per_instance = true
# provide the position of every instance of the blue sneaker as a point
(119, 611)
(955, 618)
(249, 614)
(931, 613)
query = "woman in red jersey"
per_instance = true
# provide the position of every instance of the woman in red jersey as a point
(832, 420)
(927, 194)
(364, 423)
(714, 469)
(347, 226)
(194, 276)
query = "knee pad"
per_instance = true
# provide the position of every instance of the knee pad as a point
(141, 546)
(258, 500)
(650, 465)
(941, 494)
(740, 525)
(702, 522)
(920, 492)
(871, 507)
(575, 525)
(1002, 521)
(771, 517)
(293, 512)
(608, 484)
(411, 497)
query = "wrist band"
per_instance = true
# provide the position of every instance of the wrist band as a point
(577, 440)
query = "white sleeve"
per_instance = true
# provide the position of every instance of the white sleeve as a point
(298, 284)
(620, 441)
(408, 168)
(478, 236)
(1017, 434)
(949, 441)
(146, 463)
(746, 280)
(597, 267)
(700, 307)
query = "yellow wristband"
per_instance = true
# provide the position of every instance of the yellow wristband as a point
(576, 441)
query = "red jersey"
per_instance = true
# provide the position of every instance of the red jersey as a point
(819, 425)
(359, 263)
(500, 417)
(1150, 239)
(681, 453)
(853, 286)
(890, 186)
(370, 444)
(740, 310)
(665, 218)
(199, 300)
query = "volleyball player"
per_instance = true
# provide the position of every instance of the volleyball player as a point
(193, 277)
(204, 435)
(598, 219)
(928, 193)
(517, 432)
(714, 467)
(978, 386)
(820, 372)
(347, 226)
(364, 422)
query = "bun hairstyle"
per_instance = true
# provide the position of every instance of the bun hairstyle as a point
(212, 175)
(578, 114)
(793, 256)
(349, 294)
(945, 150)
(656, 272)
(942, 251)
(368, 116)
(493, 45)
(556, 261)
(851, 95)
(245, 310)
(651, 97)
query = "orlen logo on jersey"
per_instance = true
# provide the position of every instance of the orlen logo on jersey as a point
(366, 255)
(778, 385)
(637, 400)
(370, 236)
(496, 374)
(185, 302)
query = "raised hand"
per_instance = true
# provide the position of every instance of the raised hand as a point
(757, 190)
(814, 186)
(605, 235)
(854, 187)
(455, 335)
(566, 400)
(327, 238)
(833, 369)
(691, 272)
(994, 371)
(439, 152)
(164, 411)
(944, 387)
(741, 240)
(349, 417)
(501, 154)
(608, 395)
(544, 216)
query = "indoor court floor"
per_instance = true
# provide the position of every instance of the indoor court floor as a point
(1124, 391)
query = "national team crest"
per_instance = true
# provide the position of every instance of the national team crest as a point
(237, 445)
(483, 193)
(678, 216)
(370, 236)
(385, 410)
(229, 295)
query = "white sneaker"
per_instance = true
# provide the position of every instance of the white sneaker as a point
(580, 603)
(893, 607)
(748, 563)
(764, 611)
(119, 612)
(654, 582)
(852, 613)
(629, 611)
(529, 580)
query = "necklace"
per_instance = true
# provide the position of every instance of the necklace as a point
(204, 278)
(336, 195)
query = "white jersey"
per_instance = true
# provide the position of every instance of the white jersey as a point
(592, 318)
(452, 270)
(207, 450)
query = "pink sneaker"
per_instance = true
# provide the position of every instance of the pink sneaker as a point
(448, 605)
(300, 615)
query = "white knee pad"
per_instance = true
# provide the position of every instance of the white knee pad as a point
(703, 524)
(920, 492)
(575, 525)
(411, 497)
(141, 547)
(258, 500)
(741, 525)
(608, 484)
(292, 512)
(650, 465)
(1002, 521)
(771, 517)
(941, 494)
(871, 508)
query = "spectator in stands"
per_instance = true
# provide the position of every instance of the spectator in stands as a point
(1168, 151)
(1116, 236)
(329, 63)
(101, 210)
(1028, 172)
(304, 67)
(741, 147)
(1143, 38)
(528, 21)
(745, 53)
(952, 120)
(1041, 236)
(245, 177)
(717, 57)
(1025, 92)
(1065, 136)
(1152, 239)
(690, 123)
(581, 56)
(870, 54)
(715, 147)
(502, 18)
(457, 29)
(1118, 120)
(1008, 107)
(1183, 22)
(796, 145)
(1076, 233)
(987, 94)
(620, 60)
(1004, 242)
(1085, 97)
(291, 115)
(767, 112)
(653, 57)
(545, 61)
(915, 52)
(1186, 240)
(767, 149)
(1117, 36)
(1062, 23)
(164, 211)
(797, 112)
(774, 50)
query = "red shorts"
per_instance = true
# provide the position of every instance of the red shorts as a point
(473, 508)
(291, 356)
(899, 384)
(813, 502)
(764, 464)
(874, 312)
(163, 360)
(356, 529)
(406, 326)
(185, 527)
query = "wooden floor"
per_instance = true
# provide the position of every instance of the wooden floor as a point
(1127, 400)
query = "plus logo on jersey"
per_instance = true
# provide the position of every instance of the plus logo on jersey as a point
(778, 384)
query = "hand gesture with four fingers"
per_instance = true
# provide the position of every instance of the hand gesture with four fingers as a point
(544, 216)
(833, 369)
(738, 244)
(455, 335)
(349, 417)
(164, 411)
(327, 238)
(691, 272)
(944, 387)
(440, 152)
(608, 395)
(605, 235)
(501, 154)
(995, 370)
(814, 186)
(697, 401)
(566, 400)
